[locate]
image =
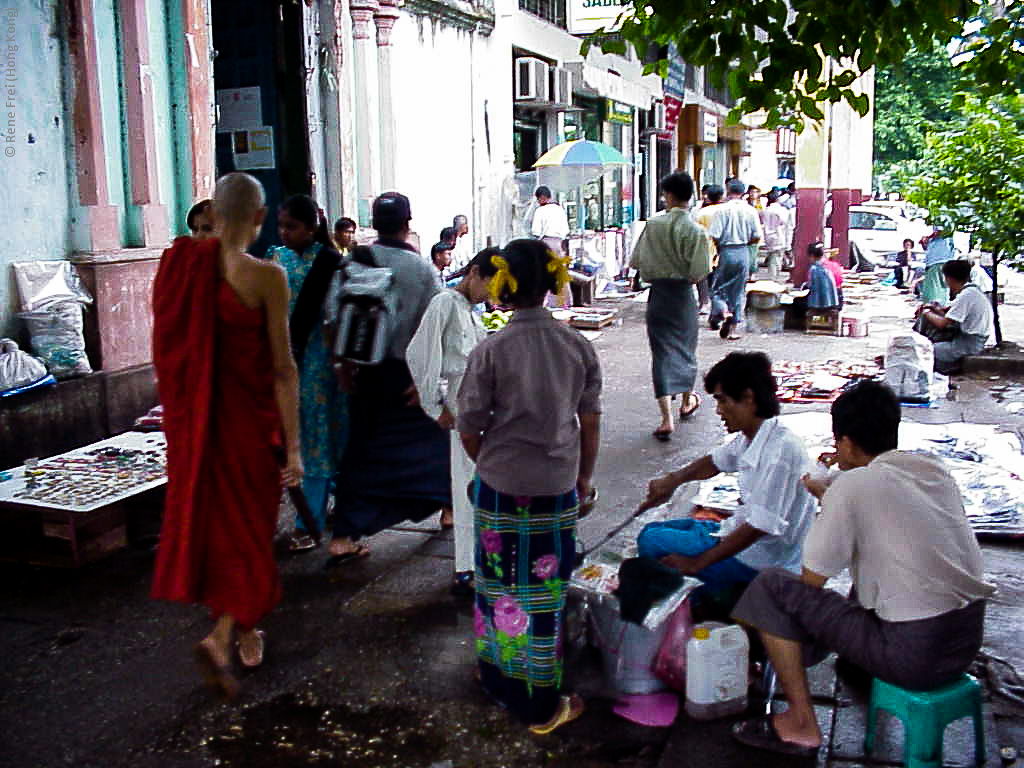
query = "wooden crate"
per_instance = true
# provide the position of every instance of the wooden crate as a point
(824, 322)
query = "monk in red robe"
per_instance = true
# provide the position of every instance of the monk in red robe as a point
(229, 388)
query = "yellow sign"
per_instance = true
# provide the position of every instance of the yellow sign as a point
(617, 112)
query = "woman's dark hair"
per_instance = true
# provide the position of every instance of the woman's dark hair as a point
(304, 209)
(869, 414)
(482, 261)
(203, 206)
(344, 223)
(739, 371)
(958, 269)
(908, 240)
(528, 263)
(679, 185)
(817, 250)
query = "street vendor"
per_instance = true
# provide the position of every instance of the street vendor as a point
(963, 327)
(896, 520)
(768, 528)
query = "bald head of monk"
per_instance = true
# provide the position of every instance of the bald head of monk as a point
(239, 209)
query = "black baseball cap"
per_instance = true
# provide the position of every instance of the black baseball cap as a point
(391, 208)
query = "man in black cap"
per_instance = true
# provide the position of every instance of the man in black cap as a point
(396, 463)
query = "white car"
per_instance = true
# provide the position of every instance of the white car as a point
(903, 208)
(879, 233)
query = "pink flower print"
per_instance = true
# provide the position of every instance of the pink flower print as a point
(491, 541)
(479, 622)
(522, 501)
(545, 567)
(509, 617)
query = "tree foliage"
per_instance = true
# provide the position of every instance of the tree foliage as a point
(912, 99)
(971, 178)
(773, 54)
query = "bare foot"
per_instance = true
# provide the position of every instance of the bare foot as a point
(212, 660)
(792, 729)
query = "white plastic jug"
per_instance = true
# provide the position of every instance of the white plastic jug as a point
(716, 671)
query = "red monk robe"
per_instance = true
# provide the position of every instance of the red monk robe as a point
(213, 363)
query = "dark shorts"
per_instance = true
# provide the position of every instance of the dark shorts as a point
(919, 655)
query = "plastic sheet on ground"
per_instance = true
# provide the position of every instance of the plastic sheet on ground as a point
(986, 463)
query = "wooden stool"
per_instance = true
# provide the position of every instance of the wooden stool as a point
(925, 715)
(824, 321)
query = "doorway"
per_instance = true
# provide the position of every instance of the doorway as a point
(259, 77)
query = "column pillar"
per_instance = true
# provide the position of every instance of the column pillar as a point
(140, 119)
(385, 19)
(100, 228)
(366, 105)
(811, 183)
(199, 85)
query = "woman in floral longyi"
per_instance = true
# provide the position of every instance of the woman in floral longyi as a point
(529, 415)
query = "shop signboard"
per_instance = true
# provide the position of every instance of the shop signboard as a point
(587, 16)
(617, 112)
(709, 128)
(674, 84)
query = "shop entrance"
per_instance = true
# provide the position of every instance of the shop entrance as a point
(259, 79)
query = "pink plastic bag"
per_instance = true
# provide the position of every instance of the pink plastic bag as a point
(670, 663)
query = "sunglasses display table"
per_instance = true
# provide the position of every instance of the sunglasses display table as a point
(69, 509)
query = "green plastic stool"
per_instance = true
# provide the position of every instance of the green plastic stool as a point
(925, 715)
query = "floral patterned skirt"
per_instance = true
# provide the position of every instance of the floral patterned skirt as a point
(525, 555)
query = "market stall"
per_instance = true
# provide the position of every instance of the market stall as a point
(70, 509)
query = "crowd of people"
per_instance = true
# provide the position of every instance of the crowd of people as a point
(503, 431)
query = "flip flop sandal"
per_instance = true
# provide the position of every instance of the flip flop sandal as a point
(685, 413)
(217, 678)
(663, 435)
(256, 659)
(760, 733)
(335, 560)
(569, 708)
(301, 542)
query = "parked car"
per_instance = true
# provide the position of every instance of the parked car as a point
(903, 208)
(879, 233)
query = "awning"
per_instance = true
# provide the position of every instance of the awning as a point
(595, 81)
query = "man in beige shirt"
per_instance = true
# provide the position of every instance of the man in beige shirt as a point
(916, 616)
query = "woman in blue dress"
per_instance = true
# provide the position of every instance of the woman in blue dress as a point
(310, 260)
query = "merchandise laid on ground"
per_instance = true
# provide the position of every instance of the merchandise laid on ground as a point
(987, 464)
(820, 381)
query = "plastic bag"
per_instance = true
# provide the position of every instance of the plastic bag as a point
(909, 361)
(670, 663)
(45, 283)
(17, 368)
(57, 337)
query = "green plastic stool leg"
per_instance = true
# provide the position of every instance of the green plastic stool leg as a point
(869, 731)
(922, 740)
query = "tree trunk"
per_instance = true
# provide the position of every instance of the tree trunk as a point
(995, 298)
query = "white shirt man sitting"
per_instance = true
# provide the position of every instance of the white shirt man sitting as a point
(968, 319)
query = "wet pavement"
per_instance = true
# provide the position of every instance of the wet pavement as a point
(370, 665)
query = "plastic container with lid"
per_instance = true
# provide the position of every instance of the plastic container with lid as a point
(716, 671)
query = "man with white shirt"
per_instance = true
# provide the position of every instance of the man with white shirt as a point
(767, 530)
(896, 520)
(968, 320)
(550, 223)
(735, 228)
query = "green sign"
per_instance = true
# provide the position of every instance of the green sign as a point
(617, 112)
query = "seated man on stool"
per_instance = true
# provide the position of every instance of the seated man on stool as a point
(768, 528)
(897, 521)
(963, 327)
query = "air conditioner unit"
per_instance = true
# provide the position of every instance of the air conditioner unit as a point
(561, 87)
(532, 80)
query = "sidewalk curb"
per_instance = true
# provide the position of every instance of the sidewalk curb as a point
(1008, 359)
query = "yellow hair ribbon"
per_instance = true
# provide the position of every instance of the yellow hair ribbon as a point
(502, 278)
(559, 267)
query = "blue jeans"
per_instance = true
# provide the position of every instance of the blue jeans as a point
(315, 490)
(691, 538)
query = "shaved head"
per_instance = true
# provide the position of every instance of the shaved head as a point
(237, 199)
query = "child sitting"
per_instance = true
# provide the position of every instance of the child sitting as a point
(823, 292)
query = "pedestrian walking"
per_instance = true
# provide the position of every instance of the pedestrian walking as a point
(551, 225)
(396, 463)
(712, 195)
(229, 388)
(310, 261)
(437, 357)
(672, 253)
(735, 229)
(529, 415)
(775, 221)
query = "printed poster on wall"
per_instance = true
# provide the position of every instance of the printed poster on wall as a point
(239, 109)
(253, 148)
